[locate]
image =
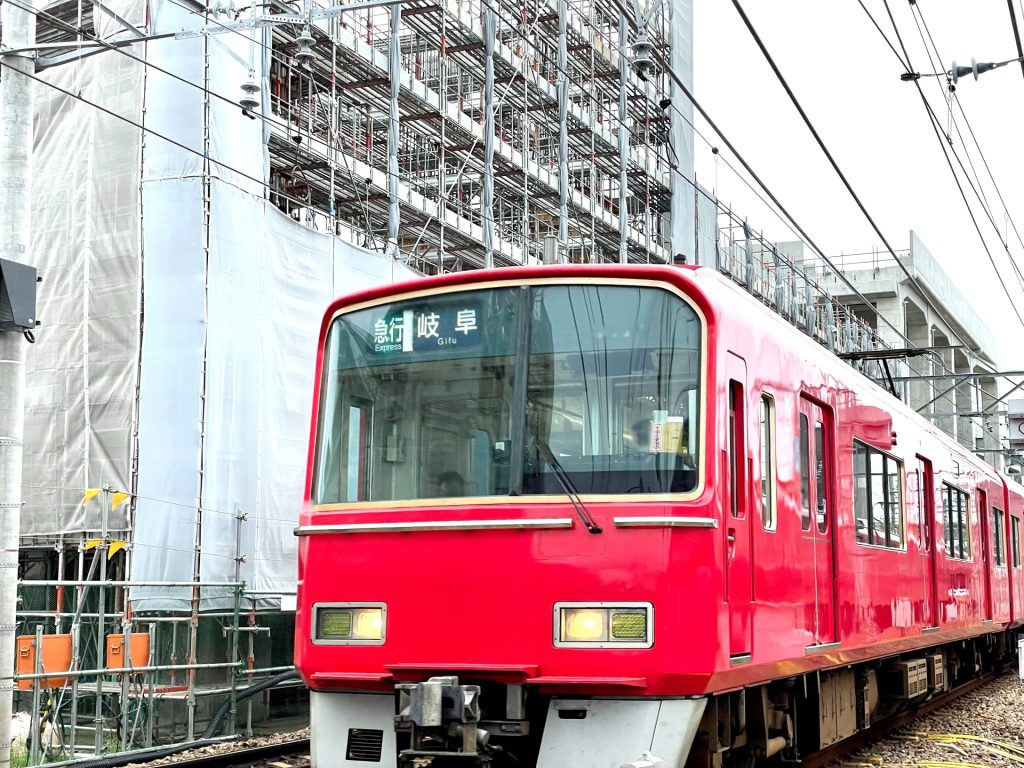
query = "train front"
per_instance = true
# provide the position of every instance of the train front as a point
(508, 552)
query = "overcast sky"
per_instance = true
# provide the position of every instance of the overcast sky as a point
(847, 79)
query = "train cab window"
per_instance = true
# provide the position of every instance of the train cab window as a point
(1015, 539)
(998, 550)
(479, 392)
(805, 475)
(612, 391)
(768, 476)
(956, 513)
(434, 383)
(877, 497)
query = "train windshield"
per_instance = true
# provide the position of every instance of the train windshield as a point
(502, 391)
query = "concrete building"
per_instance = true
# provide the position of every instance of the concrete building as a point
(953, 383)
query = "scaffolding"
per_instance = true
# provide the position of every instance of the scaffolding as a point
(507, 123)
(95, 677)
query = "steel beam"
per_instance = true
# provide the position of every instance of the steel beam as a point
(394, 63)
(563, 127)
(487, 214)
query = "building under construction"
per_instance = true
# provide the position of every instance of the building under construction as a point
(206, 178)
(508, 124)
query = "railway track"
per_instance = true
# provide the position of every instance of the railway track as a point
(285, 754)
(835, 753)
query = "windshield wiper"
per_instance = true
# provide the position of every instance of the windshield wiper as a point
(563, 480)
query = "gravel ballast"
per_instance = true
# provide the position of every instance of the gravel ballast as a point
(982, 728)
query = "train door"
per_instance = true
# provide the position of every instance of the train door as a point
(926, 510)
(739, 573)
(986, 551)
(816, 443)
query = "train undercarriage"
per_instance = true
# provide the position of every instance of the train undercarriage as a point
(447, 721)
(787, 720)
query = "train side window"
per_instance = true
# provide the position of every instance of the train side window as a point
(821, 492)
(956, 513)
(997, 536)
(805, 475)
(861, 492)
(1015, 543)
(877, 497)
(768, 477)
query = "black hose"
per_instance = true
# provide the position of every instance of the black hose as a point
(206, 739)
(242, 695)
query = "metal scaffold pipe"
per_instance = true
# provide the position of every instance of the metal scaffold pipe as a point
(394, 72)
(490, 35)
(563, 128)
(18, 32)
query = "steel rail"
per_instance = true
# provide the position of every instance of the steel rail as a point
(829, 755)
(236, 758)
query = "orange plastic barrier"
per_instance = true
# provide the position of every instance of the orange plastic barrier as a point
(139, 651)
(56, 658)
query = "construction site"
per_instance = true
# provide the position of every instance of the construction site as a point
(205, 179)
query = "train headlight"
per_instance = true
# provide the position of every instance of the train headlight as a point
(349, 623)
(369, 624)
(604, 625)
(582, 624)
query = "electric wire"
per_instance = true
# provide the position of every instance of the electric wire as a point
(947, 94)
(672, 74)
(842, 176)
(976, 186)
(846, 183)
(667, 68)
(1016, 32)
(935, 124)
(974, 138)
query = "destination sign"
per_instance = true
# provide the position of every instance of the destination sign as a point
(428, 328)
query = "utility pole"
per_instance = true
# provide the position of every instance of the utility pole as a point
(18, 33)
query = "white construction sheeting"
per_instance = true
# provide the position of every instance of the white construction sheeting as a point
(267, 286)
(195, 328)
(82, 368)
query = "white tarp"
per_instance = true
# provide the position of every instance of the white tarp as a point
(82, 369)
(267, 287)
(213, 321)
(230, 334)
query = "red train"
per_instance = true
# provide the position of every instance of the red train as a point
(604, 516)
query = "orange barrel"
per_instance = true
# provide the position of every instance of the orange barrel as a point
(139, 650)
(56, 658)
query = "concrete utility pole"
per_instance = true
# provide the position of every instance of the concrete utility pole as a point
(19, 32)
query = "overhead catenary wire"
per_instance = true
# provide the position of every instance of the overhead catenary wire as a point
(1016, 32)
(906, 62)
(842, 176)
(660, 60)
(970, 130)
(799, 230)
(846, 183)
